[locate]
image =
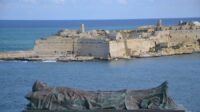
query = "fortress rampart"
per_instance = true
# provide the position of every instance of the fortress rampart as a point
(145, 41)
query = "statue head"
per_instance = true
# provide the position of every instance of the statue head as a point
(39, 85)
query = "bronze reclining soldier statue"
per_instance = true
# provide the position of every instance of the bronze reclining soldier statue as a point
(43, 97)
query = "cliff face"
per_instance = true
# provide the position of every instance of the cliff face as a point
(101, 44)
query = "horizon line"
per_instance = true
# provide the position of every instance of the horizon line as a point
(94, 19)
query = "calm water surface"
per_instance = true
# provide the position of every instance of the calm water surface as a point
(16, 78)
(182, 73)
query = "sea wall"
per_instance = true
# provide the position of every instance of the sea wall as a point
(139, 46)
(55, 46)
(92, 47)
(16, 55)
(117, 49)
(62, 46)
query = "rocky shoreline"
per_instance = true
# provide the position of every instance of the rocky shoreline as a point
(33, 57)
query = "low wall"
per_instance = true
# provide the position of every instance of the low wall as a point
(16, 55)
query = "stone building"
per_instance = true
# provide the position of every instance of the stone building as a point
(166, 40)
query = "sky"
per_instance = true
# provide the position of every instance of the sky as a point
(97, 9)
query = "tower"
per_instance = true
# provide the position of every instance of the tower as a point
(180, 22)
(159, 23)
(82, 28)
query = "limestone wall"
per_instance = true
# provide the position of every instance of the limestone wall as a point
(117, 49)
(16, 55)
(179, 36)
(138, 46)
(160, 36)
(100, 48)
(54, 46)
(92, 47)
(185, 35)
(179, 40)
(59, 46)
(130, 47)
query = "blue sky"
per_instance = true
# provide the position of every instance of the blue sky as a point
(97, 9)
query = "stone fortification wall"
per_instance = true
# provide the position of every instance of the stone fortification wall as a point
(185, 34)
(16, 55)
(130, 47)
(177, 42)
(117, 49)
(138, 46)
(188, 38)
(92, 47)
(54, 46)
(166, 42)
(160, 36)
(179, 36)
(59, 46)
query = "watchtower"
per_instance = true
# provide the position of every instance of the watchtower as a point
(180, 22)
(82, 28)
(159, 23)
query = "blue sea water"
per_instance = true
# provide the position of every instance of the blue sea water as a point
(21, 34)
(16, 77)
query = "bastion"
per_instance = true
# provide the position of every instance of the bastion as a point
(145, 41)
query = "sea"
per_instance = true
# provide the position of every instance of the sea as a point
(17, 77)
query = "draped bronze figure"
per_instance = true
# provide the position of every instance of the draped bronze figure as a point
(43, 97)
